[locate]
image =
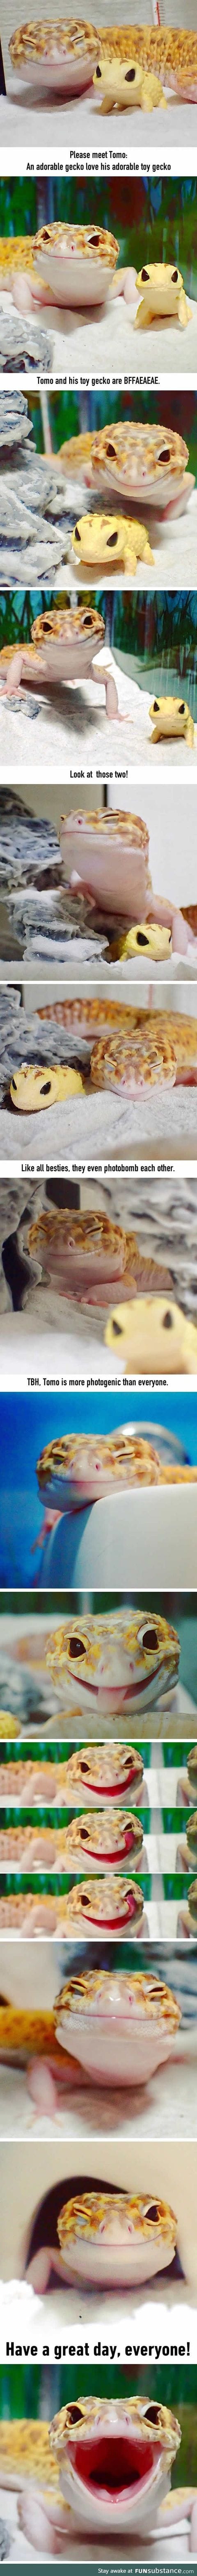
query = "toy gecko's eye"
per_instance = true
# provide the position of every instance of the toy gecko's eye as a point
(156, 706)
(14, 1084)
(148, 1638)
(130, 76)
(145, 274)
(164, 456)
(98, 73)
(174, 276)
(77, 534)
(168, 1320)
(113, 541)
(142, 939)
(45, 1086)
(76, 1648)
(117, 1328)
(182, 707)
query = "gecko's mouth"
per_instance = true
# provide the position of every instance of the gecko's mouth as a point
(112, 2465)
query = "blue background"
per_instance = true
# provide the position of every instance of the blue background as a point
(27, 1422)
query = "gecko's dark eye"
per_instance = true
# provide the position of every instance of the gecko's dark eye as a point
(75, 2415)
(111, 451)
(87, 620)
(129, 76)
(14, 1085)
(153, 2414)
(117, 1328)
(45, 1086)
(77, 534)
(94, 241)
(76, 1648)
(148, 1638)
(174, 276)
(164, 456)
(113, 541)
(98, 73)
(153, 2212)
(168, 1320)
(145, 274)
(182, 707)
(155, 706)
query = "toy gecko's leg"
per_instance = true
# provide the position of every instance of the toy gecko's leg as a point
(14, 674)
(142, 316)
(130, 559)
(189, 735)
(183, 309)
(155, 736)
(111, 696)
(148, 557)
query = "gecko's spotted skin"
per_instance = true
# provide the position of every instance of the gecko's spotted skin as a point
(162, 296)
(74, 1470)
(64, 645)
(109, 1771)
(119, 2026)
(99, 540)
(112, 1664)
(114, 2459)
(116, 2239)
(84, 239)
(129, 1063)
(172, 720)
(103, 1841)
(132, 457)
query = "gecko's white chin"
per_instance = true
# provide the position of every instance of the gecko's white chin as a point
(112, 2479)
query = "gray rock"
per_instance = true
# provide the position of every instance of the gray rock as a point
(23, 345)
(28, 843)
(15, 423)
(5, 2540)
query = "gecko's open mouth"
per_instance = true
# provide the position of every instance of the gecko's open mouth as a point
(111, 2465)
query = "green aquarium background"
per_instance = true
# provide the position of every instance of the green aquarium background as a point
(152, 218)
(153, 634)
(38, 2390)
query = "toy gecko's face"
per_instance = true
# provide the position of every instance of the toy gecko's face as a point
(104, 1771)
(108, 1664)
(70, 640)
(120, 2027)
(115, 2238)
(170, 715)
(76, 1251)
(40, 1086)
(98, 539)
(104, 1839)
(149, 939)
(114, 2459)
(152, 1334)
(121, 82)
(160, 286)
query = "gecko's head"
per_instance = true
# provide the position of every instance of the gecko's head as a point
(114, 2458)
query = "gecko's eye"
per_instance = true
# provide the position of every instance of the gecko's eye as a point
(111, 451)
(182, 707)
(168, 1320)
(87, 620)
(130, 76)
(45, 1086)
(76, 1648)
(77, 534)
(148, 1638)
(98, 73)
(145, 274)
(156, 706)
(164, 456)
(174, 276)
(113, 541)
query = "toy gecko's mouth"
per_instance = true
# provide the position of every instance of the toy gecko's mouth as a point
(111, 2465)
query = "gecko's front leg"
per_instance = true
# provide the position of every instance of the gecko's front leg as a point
(109, 684)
